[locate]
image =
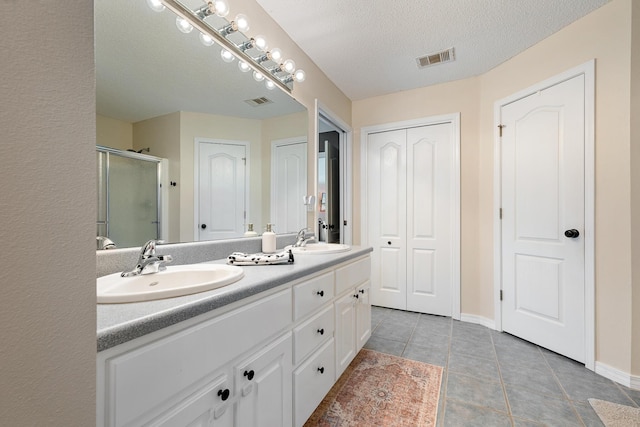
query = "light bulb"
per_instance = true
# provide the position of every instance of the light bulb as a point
(270, 85)
(258, 76)
(226, 55)
(155, 5)
(205, 39)
(288, 66)
(221, 7)
(183, 25)
(299, 76)
(242, 22)
(275, 55)
(244, 67)
(260, 43)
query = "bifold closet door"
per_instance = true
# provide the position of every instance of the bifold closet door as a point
(410, 211)
(387, 211)
(430, 166)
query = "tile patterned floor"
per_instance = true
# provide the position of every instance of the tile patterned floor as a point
(492, 378)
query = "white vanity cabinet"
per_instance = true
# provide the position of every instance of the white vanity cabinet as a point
(265, 361)
(353, 311)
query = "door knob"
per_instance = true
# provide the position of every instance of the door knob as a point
(572, 234)
(203, 226)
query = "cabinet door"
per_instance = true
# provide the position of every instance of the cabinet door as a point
(363, 314)
(345, 331)
(265, 385)
(209, 407)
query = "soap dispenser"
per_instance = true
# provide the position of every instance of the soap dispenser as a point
(269, 240)
(250, 232)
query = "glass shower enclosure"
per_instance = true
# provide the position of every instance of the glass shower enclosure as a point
(128, 196)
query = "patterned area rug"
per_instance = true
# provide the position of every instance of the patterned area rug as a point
(615, 415)
(378, 389)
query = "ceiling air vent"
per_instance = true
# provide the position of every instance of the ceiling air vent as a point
(436, 58)
(256, 102)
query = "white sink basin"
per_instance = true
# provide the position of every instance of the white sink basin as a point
(173, 282)
(321, 248)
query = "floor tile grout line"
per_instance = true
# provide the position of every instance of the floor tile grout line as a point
(445, 376)
(502, 384)
(564, 392)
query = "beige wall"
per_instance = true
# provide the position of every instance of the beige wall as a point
(47, 170)
(113, 133)
(635, 188)
(161, 135)
(605, 35)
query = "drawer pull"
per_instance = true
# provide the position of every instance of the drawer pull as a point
(321, 331)
(224, 394)
(321, 369)
(356, 296)
(249, 374)
(361, 291)
(321, 293)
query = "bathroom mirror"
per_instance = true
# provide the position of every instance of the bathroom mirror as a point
(160, 89)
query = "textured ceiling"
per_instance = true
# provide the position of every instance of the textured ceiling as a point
(368, 48)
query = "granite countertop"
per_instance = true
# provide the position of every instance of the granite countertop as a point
(119, 323)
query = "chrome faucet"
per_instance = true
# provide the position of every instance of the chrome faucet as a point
(302, 240)
(148, 261)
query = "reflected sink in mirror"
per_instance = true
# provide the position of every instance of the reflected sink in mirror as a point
(173, 282)
(320, 248)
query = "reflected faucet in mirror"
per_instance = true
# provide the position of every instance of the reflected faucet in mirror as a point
(302, 239)
(104, 243)
(148, 261)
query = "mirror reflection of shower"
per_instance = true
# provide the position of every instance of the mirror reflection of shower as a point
(329, 182)
(129, 198)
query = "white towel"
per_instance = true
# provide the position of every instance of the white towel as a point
(239, 258)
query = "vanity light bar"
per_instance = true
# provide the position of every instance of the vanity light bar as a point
(200, 25)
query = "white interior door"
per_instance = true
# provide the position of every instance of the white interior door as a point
(387, 212)
(222, 189)
(411, 217)
(430, 162)
(543, 218)
(288, 186)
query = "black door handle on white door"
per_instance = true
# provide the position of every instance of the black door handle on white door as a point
(572, 234)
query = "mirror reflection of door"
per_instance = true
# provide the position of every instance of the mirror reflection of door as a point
(288, 184)
(221, 189)
(330, 197)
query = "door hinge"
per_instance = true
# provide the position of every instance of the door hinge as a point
(500, 213)
(344, 222)
(500, 294)
(500, 127)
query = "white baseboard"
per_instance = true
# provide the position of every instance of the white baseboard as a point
(479, 320)
(621, 377)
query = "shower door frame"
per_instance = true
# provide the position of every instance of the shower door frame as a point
(161, 164)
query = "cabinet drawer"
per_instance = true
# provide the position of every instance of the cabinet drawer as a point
(157, 374)
(312, 381)
(312, 333)
(199, 408)
(312, 294)
(352, 274)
